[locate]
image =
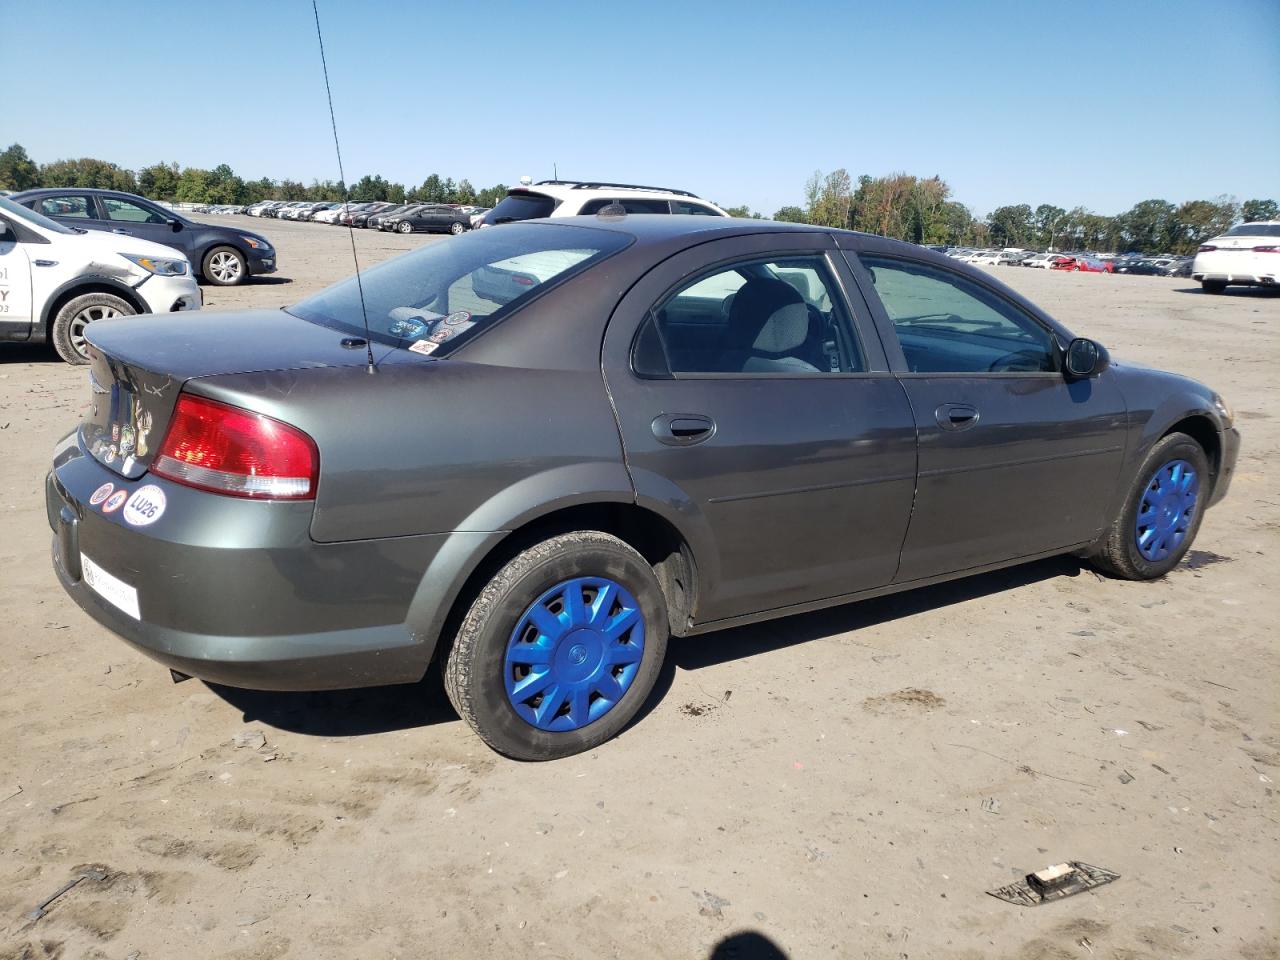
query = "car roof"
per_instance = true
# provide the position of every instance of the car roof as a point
(654, 227)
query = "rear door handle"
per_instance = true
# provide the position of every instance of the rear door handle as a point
(683, 429)
(956, 416)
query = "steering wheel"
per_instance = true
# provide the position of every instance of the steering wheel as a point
(1020, 361)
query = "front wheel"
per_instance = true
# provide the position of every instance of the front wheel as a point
(457, 228)
(406, 227)
(560, 649)
(75, 316)
(224, 267)
(1161, 512)
(1213, 286)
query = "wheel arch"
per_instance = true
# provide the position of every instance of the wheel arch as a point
(1204, 431)
(467, 561)
(78, 286)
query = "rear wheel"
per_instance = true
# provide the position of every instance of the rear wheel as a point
(560, 649)
(1161, 513)
(1213, 286)
(224, 267)
(73, 319)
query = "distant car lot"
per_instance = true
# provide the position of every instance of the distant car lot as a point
(1008, 693)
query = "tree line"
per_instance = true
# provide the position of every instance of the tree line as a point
(902, 206)
(921, 210)
(221, 185)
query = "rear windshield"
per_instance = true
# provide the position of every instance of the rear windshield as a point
(441, 295)
(521, 206)
(1255, 230)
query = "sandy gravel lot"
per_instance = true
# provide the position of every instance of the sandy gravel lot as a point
(844, 784)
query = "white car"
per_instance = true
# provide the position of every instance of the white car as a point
(572, 198)
(987, 258)
(1248, 255)
(1041, 261)
(56, 280)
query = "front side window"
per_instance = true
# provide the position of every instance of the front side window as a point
(946, 323)
(129, 212)
(778, 315)
(438, 296)
(70, 205)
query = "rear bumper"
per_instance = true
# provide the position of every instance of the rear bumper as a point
(235, 591)
(1241, 267)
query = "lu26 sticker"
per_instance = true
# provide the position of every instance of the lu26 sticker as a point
(145, 507)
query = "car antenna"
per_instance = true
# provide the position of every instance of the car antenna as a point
(346, 191)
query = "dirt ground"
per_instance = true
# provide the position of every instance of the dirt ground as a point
(843, 784)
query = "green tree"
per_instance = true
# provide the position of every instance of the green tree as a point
(395, 193)
(1198, 220)
(465, 192)
(292, 190)
(1048, 221)
(159, 181)
(193, 186)
(88, 172)
(490, 196)
(1150, 226)
(1251, 211)
(225, 186)
(17, 170)
(790, 215)
(370, 188)
(1012, 226)
(742, 211)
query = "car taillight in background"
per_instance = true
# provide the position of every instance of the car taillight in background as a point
(215, 446)
(1207, 248)
(1269, 248)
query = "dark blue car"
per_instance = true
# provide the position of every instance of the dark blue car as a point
(223, 256)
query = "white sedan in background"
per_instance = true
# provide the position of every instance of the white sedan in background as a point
(1247, 255)
(986, 258)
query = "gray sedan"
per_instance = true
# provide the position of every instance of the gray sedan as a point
(559, 443)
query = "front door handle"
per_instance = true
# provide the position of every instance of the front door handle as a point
(683, 429)
(120, 231)
(956, 416)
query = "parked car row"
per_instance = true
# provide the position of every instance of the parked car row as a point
(374, 214)
(1131, 263)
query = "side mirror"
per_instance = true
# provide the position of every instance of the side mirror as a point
(1086, 358)
(174, 225)
(6, 232)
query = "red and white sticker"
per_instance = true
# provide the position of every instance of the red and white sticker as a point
(115, 501)
(101, 494)
(424, 346)
(145, 507)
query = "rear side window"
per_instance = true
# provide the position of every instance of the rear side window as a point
(759, 316)
(71, 205)
(628, 204)
(521, 206)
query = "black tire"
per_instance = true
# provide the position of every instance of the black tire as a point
(1117, 552)
(474, 671)
(76, 314)
(457, 228)
(224, 267)
(1213, 286)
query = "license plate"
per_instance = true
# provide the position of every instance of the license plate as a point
(111, 589)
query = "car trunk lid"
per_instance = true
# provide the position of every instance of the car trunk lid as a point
(139, 365)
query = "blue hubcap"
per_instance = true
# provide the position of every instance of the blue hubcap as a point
(1167, 510)
(574, 653)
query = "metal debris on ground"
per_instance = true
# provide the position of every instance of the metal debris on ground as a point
(38, 911)
(1054, 883)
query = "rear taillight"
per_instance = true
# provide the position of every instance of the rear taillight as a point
(218, 447)
(1270, 248)
(1207, 248)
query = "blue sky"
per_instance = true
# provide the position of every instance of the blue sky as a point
(1095, 104)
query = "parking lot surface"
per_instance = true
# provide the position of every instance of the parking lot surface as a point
(844, 784)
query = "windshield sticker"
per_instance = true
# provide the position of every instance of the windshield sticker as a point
(145, 507)
(440, 336)
(115, 501)
(424, 346)
(101, 494)
(407, 329)
(457, 317)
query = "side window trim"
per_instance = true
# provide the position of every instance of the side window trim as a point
(889, 334)
(841, 300)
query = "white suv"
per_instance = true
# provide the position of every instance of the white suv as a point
(571, 198)
(56, 280)
(1248, 254)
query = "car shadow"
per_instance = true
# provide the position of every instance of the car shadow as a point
(747, 945)
(1258, 293)
(28, 353)
(370, 710)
